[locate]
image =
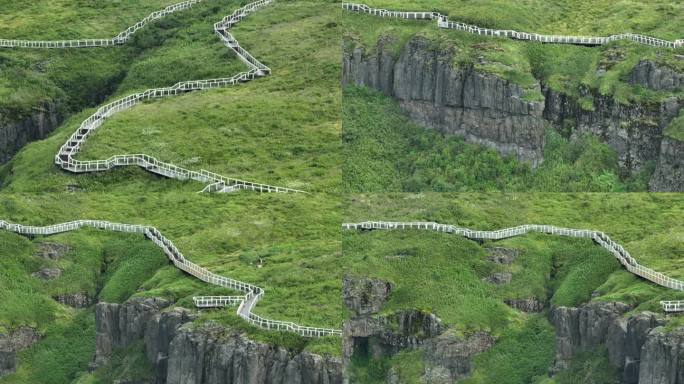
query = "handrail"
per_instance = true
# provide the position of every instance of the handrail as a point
(65, 157)
(599, 237)
(443, 22)
(252, 293)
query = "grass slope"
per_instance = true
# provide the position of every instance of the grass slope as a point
(660, 18)
(385, 151)
(282, 129)
(444, 274)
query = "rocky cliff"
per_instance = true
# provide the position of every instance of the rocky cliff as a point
(11, 343)
(183, 352)
(482, 108)
(15, 133)
(489, 110)
(669, 171)
(637, 345)
(447, 357)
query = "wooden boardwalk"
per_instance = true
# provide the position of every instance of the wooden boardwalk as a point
(599, 237)
(214, 182)
(444, 22)
(246, 302)
(65, 158)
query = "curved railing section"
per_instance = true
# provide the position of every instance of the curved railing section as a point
(214, 182)
(599, 237)
(246, 302)
(443, 22)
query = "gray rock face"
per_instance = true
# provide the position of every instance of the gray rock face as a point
(526, 305)
(364, 295)
(634, 131)
(15, 133)
(501, 255)
(47, 273)
(488, 110)
(183, 353)
(662, 357)
(446, 357)
(482, 108)
(383, 336)
(450, 358)
(10, 344)
(75, 300)
(52, 251)
(212, 354)
(653, 76)
(637, 345)
(669, 172)
(499, 278)
(583, 328)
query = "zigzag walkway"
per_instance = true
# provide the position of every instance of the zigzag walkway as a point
(214, 182)
(246, 302)
(599, 237)
(443, 22)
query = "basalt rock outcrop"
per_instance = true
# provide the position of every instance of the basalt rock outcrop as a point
(214, 354)
(483, 108)
(447, 356)
(638, 345)
(489, 110)
(669, 171)
(17, 132)
(183, 352)
(656, 77)
(11, 343)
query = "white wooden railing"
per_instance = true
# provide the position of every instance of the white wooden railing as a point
(215, 183)
(443, 22)
(246, 302)
(599, 237)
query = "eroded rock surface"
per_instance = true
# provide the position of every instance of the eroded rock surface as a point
(489, 110)
(183, 352)
(11, 343)
(638, 345)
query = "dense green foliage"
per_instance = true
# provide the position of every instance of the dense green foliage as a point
(385, 151)
(660, 18)
(443, 273)
(282, 129)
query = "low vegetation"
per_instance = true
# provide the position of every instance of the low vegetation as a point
(446, 274)
(385, 151)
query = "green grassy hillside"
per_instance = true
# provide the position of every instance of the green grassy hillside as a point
(385, 151)
(659, 18)
(282, 129)
(443, 274)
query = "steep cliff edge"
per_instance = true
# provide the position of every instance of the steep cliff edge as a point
(17, 132)
(489, 110)
(182, 352)
(482, 108)
(367, 335)
(669, 171)
(638, 345)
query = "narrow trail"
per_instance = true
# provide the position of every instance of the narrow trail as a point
(599, 238)
(214, 182)
(65, 158)
(443, 22)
